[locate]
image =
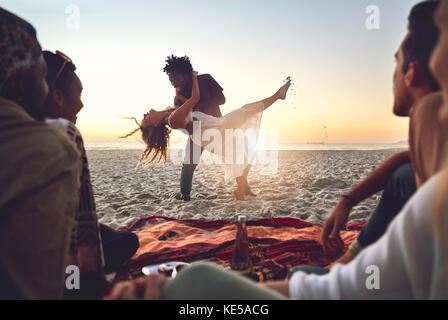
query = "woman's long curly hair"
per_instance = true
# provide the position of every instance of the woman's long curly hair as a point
(156, 140)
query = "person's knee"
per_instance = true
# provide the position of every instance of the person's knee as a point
(125, 242)
(405, 173)
(133, 242)
(402, 180)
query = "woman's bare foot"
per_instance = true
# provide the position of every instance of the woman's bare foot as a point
(281, 93)
(249, 191)
(239, 196)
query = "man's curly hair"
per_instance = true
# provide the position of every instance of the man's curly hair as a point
(178, 64)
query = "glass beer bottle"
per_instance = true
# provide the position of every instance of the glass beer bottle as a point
(241, 261)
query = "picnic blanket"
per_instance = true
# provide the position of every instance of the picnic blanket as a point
(276, 244)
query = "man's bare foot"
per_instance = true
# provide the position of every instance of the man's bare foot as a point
(344, 259)
(239, 196)
(281, 93)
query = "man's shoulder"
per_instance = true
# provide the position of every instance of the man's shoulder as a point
(205, 78)
(208, 81)
(39, 140)
(19, 129)
(33, 154)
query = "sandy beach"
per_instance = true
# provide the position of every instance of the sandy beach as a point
(307, 185)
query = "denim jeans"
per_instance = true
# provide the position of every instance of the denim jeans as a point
(192, 158)
(400, 187)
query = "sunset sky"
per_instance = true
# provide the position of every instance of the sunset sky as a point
(342, 71)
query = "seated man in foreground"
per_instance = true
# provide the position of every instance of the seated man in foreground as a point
(412, 82)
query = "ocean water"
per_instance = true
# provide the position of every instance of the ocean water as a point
(137, 145)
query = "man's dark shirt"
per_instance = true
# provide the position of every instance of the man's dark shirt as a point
(210, 92)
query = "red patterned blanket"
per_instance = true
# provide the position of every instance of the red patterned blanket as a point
(276, 244)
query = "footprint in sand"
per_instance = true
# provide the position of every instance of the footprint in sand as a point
(145, 196)
(329, 182)
(117, 206)
(125, 213)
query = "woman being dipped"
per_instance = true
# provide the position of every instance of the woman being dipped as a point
(156, 127)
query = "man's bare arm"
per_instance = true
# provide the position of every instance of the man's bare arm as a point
(374, 182)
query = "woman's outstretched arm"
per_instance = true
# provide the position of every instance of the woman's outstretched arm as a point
(178, 119)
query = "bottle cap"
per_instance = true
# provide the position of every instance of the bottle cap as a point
(242, 218)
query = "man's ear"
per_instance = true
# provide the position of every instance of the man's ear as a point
(58, 97)
(415, 76)
(411, 77)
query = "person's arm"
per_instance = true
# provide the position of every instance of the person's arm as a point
(377, 179)
(179, 116)
(374, 182)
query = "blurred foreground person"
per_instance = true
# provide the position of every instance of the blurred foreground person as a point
(39, 180)
(397, 176)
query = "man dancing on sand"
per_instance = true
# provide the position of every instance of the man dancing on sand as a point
(180, 74)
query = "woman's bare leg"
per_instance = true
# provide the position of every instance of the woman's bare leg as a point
(248, 191)
(240, 192)
(279, 95)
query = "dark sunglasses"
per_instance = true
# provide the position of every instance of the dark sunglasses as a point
(65, 61)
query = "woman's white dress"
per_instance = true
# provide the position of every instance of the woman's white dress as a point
(232, 138)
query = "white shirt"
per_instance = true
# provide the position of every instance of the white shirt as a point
(410, 261)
